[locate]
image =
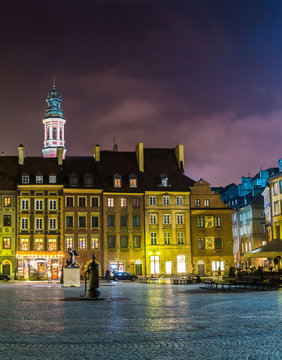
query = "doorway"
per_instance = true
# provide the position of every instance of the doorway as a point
(201, 268)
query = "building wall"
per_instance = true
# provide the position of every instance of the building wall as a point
(211, 221)
(8, 233)
(168, 254)
(117, 254)
(85, 239)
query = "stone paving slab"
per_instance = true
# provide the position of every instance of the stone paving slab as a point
(139, 321)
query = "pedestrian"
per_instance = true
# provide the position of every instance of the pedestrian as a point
(108, 279)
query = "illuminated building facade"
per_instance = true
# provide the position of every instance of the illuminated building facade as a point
(211, 227)
(39, 218)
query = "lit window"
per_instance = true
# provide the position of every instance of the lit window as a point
(52, 224)
(7, 201)
(276, 208)
(200, 222)
(166, 200)
(38, 244)
(153, 238)
(25, 179)
(206, 203)
(52, 179)
(94, 242)
(117, 181)
(38, 224)
(179, 219)
(166, 219)
(133, 181)
(217, 265)
(197, 203)
(179, 200)
(153, 219)
(82, 243)
(164, 180)
(152, 200)
(217, 222)
(155, 265)
(6, 243)
(123, 202)
(52, 244)
(110, 202)
(69, 243)
(275, 188)
(24, 244)
(181, 264)
(39, 179)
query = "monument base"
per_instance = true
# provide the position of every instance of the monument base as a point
(71, 277)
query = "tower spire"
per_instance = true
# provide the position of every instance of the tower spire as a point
(54, 123)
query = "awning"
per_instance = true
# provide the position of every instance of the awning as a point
(270, 250)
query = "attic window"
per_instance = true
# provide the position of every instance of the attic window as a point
(52, 179)
(133, 181)
(73, 180)
(25, 179)
(39, 179)
(117, 181)
(88, 180)
(164, 180)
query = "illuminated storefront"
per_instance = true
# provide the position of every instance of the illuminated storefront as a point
(45, 266)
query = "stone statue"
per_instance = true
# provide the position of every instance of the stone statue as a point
(72, 263)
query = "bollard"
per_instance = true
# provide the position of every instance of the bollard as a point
(93, 268)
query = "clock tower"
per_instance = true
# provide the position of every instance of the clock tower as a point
(54, 122)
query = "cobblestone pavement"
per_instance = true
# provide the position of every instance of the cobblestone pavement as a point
(139, 321)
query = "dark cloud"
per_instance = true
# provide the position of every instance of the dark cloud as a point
(206, 74)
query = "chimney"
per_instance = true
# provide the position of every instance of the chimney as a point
(21, 151)
(60, 152)
(179, 152)
(140, 156)
(97, 153)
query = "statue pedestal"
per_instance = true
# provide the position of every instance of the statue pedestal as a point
(71, 277)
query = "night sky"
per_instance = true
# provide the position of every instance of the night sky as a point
(207, 74)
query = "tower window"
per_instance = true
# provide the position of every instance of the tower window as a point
(54, 133)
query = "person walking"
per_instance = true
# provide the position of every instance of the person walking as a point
(108, 278)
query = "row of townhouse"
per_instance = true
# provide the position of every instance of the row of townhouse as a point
(136, 210)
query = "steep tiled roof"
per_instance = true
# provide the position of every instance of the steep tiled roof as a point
(8, 172)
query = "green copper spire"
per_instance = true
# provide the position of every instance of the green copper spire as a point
(54, 104)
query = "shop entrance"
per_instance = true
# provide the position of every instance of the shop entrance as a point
(138, 268)
(6, 269)
(117, 266)
(201, 268)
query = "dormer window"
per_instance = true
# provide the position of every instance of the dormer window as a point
(52, 179)
(88, 180)
(73, 179)
(117, 181)
(39, 179)
(25, 179)
(133, 181)
(164, 180)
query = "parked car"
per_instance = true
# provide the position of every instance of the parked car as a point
(124, 276)
(5, 277)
